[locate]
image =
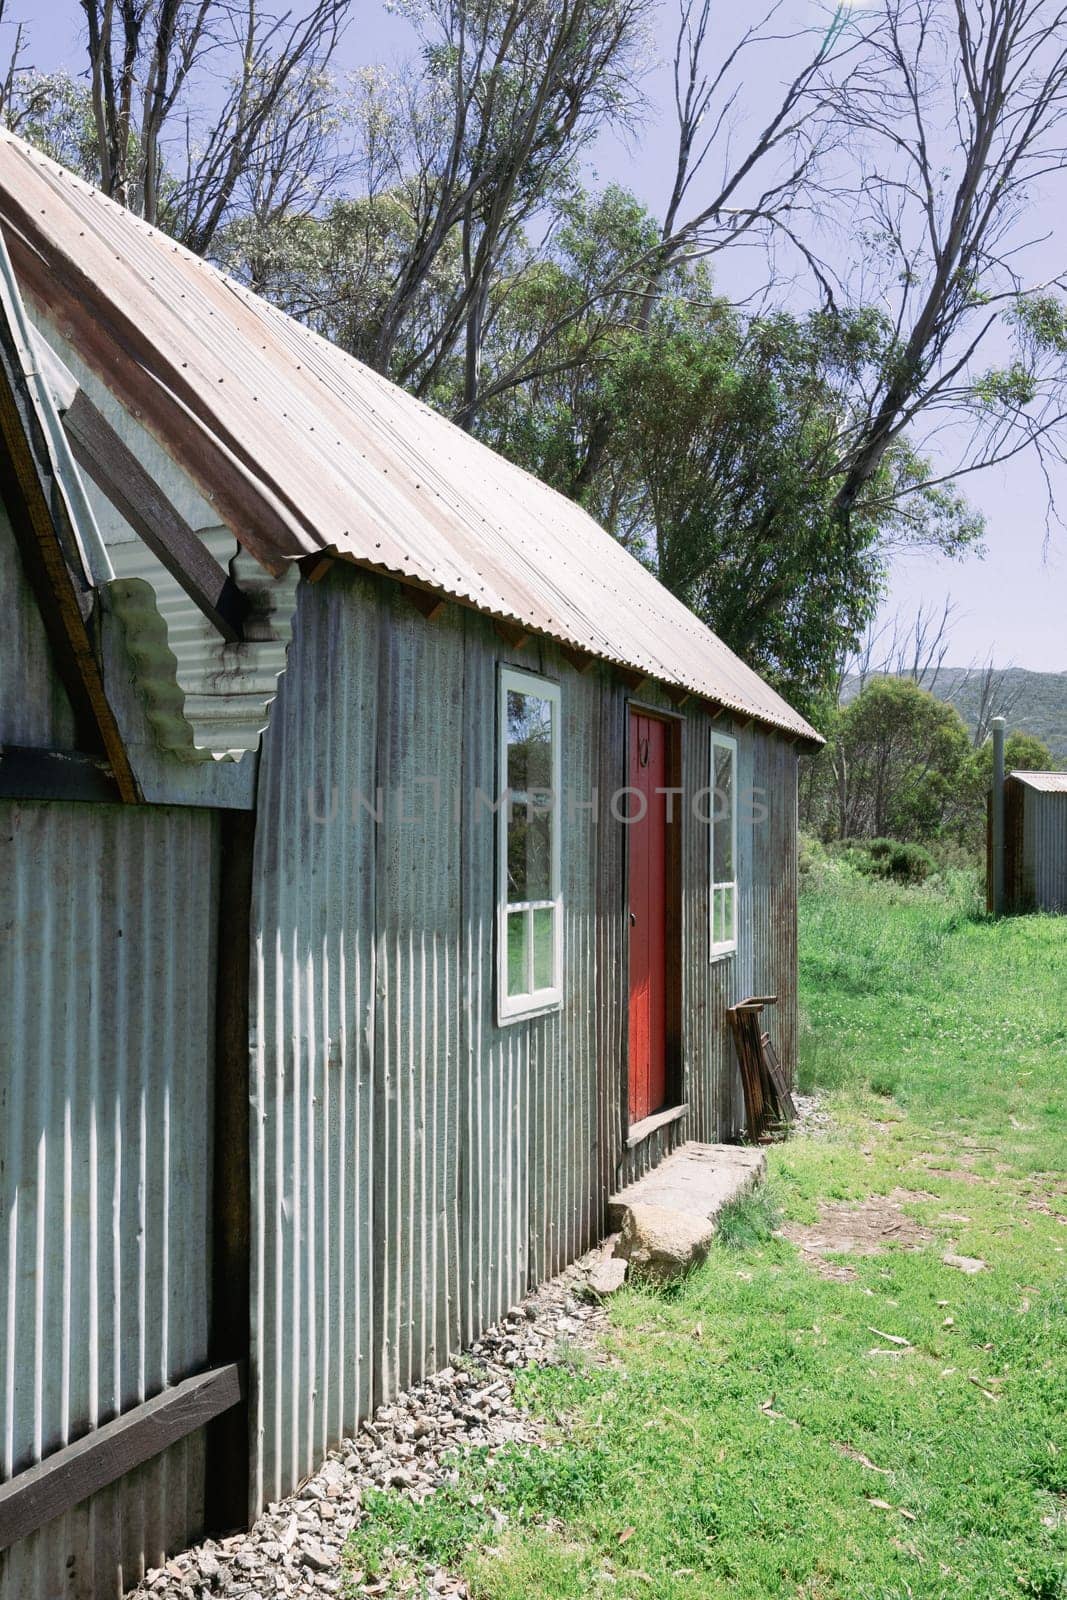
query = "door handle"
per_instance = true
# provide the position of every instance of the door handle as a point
(633, 919)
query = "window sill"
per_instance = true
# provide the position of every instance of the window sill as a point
(507, 1018)
(723, 955)
(648, 1125)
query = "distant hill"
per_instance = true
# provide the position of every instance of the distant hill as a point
(1040, 701)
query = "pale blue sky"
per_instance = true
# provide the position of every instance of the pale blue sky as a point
(1013, 603)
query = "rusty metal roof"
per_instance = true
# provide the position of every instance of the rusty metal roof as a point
(1046, 782)
(304, 450)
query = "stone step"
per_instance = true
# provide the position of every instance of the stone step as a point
(696, 1180)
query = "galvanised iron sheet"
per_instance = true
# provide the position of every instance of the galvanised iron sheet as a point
(305, 450)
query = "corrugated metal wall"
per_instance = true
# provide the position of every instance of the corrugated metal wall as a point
(313, 1020)
(107, 962)
(774, 898)
(415, 1167)
(1014, 854)
(1044, 854)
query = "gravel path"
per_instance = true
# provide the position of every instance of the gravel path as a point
(295, 1547)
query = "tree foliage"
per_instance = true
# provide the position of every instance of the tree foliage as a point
(433, 219)
(896, 762)
(720, 464)
(900, 763)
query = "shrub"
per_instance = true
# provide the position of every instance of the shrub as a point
(910, 863)
(896, 859)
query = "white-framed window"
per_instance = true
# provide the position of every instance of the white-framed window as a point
(530, 902)
(723, 844)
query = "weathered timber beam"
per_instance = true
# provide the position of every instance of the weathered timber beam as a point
(512, 634)
(580, 660)
(134, 493)
(111, 341)
(31, 774)
(52, 564)
(72, 1474)
(314, 568)
(431, 605)
(676, 694)
(228, 1440)
(631, 677)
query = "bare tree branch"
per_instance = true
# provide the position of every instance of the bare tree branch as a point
(946, 208)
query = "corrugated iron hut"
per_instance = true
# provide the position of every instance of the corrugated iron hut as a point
(382, 847)
(1035, 841)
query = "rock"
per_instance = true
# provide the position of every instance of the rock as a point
(969, 1264)
(207, 1565)
(661, 1244)
(315, 1557)
(294, 1551)
(607, 1276)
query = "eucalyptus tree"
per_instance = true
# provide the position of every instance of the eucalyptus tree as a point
(480, 135)
(959, 123)
(720, 461)
(734, 180)
(152, 127)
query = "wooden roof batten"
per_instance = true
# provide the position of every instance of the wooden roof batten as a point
(138, 498)
(191, 701)
(31, 484)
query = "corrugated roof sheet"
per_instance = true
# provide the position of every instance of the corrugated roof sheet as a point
(1047, 782)
(305, 450)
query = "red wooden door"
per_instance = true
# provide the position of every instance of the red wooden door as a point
(647, 847)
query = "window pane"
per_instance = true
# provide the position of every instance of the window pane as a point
(716, 916)
(529, 853)
(529, 741)
(722, 833)
(728, 915)
(544, 949)
(517, 927)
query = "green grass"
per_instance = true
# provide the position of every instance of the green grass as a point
(961, 1020)
(749, 1220)
(732, 1447)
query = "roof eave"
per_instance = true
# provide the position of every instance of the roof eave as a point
(801, 733)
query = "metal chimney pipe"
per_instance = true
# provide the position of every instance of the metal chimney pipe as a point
(998, 816)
